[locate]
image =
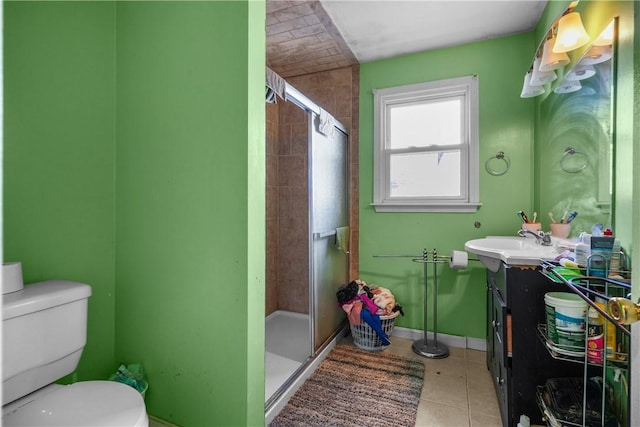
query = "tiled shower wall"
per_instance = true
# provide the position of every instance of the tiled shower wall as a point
(287, 199)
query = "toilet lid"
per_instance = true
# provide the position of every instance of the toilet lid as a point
(88, 404)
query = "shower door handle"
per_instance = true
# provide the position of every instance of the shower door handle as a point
(329, 233)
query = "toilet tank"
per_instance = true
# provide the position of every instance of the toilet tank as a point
(44, 330)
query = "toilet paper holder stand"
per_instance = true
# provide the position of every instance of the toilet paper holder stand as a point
(426, 347)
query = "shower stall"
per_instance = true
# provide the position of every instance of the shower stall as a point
(307, 202)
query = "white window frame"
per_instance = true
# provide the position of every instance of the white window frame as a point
(465, 88)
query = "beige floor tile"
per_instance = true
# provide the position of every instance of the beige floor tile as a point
(449, 366)
(457, 352)
(402, 347)
(482, 399)
(481, 420)
(431, 414)
(476, 356)
(447, 390)
(478, 373)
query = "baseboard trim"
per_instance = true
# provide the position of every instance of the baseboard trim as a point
(449, 340)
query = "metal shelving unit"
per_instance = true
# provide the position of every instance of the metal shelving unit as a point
(610, 370)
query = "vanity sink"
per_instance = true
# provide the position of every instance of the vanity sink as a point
(513, 250)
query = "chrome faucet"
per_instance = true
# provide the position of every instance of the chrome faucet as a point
(542, 238)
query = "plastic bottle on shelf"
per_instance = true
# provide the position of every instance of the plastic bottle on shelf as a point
(583, 250)
(595, 337)
(597, 230)
(614, 265)
(610, 344)
(524, 421)
(585, 237)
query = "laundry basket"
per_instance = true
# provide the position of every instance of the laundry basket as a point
(366, 338)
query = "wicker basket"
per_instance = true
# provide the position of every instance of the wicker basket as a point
(366, 338)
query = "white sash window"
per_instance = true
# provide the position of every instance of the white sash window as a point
(426, 147)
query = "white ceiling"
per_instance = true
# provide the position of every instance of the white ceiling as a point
(377, 29)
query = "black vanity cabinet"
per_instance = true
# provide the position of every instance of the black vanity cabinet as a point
(516, 357)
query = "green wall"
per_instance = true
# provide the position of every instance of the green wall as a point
(183, 208)
(506, 124)
(59, 155)
(134, 161)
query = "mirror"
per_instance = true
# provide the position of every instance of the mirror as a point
(575, 143)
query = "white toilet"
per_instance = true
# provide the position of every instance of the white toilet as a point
(44, 330)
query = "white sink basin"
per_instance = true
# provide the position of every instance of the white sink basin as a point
(514, 250)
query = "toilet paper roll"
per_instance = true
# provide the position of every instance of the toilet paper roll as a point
(11, 277)
(459, 259)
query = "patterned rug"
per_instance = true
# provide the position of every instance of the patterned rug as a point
(357, 388)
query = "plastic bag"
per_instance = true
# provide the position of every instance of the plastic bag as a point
(132, 375)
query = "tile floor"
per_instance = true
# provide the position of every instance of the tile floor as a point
(457, 390)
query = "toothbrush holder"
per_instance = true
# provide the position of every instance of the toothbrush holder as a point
(560, 230)
(532, 226)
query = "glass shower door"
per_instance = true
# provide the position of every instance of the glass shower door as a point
(329, 186)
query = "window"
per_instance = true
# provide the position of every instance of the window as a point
(426, 147)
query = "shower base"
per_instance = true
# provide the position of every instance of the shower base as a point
(287, 347)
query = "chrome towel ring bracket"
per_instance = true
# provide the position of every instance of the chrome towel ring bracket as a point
(571, 164)
(498, 168)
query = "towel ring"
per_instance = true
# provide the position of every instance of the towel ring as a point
(581, 162)
(499, 156)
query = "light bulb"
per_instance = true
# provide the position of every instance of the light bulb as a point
(581, 72)
(538, 77)
(529, 91)
(568, 86)
(571, 33)
(550, 60)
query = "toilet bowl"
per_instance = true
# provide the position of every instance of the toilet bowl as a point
(43, 336)
(83, 404)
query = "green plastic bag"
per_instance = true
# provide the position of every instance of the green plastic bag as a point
(132, 375)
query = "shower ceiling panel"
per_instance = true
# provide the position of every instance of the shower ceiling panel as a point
(301, 39)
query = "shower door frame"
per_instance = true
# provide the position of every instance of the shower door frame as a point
(316, 288)
(278, 399)
(313, 110)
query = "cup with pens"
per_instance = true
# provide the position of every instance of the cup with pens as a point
(531, 225)
(563, 228)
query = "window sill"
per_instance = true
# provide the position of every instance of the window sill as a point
(436, 207)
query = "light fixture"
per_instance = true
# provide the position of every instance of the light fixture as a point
(529, 91)
(551, 60)
(538, 77)
(568, 86)
(597, 54)
(571, 33)
(581, 72)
